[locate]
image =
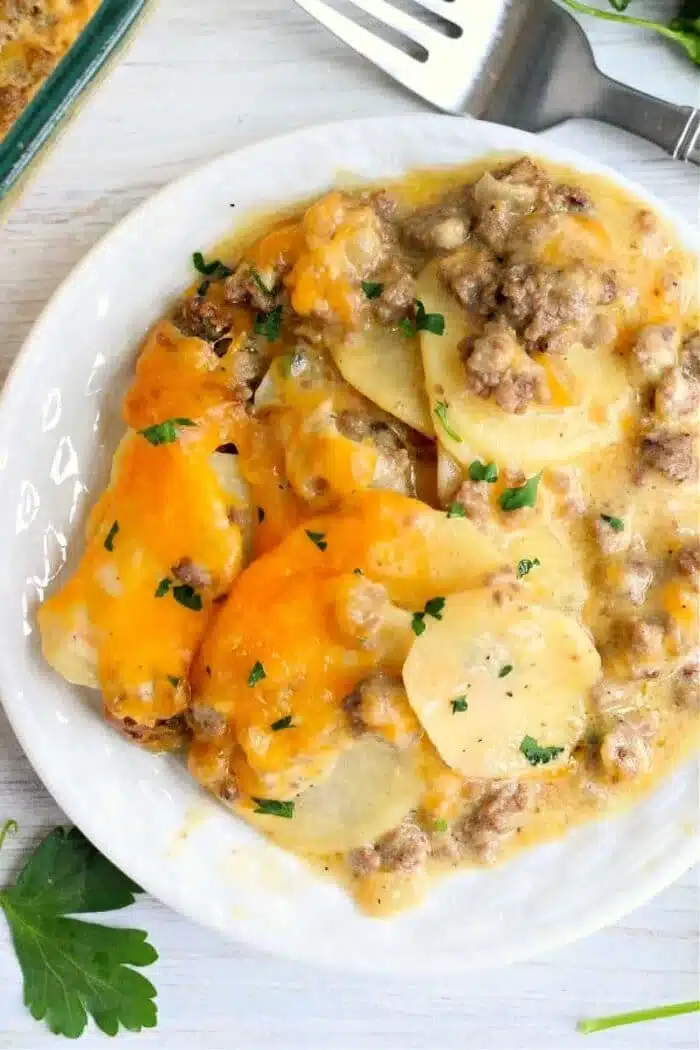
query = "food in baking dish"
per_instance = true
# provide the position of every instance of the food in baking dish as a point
(34, 36)
(402, 542)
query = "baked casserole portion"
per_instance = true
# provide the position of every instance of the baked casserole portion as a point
(34, 37)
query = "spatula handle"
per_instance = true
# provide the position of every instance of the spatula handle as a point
(675, 129)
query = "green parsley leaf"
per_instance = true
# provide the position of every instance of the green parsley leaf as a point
(282, 723)
(617, 524)
(434, 607)
(272, 807)
(523, 496)
(456, 510)
(434, 323)
(441, 413)
(319, 538)
(536, 755)
(479, 471)
(372, 289)
(600, 1024)
(259, 283)
(163, 587)
(74, 969)
(215, 269)
(459, 705)
(174, 680)
(408, 327)
(526, 565)
(683, 30)
(166, 432)
(441, 825)
(187, 596)
(505, 670)
(257, 674)
(269, 324)
(9, 827)
(109, 542)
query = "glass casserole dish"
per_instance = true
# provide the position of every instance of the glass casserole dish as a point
(50, 51)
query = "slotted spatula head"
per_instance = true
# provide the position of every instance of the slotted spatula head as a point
(500, 60)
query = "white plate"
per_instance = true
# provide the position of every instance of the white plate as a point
(58, 427)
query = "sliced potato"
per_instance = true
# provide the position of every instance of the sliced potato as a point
(431, 555)
(523, 671)
(370, 790)
(68, 645)
(590, 396)
(558, 580)
(386, 366)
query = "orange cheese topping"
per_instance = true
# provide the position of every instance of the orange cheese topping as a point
(282, 614)
(167, 504)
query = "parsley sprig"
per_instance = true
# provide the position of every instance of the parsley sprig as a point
(433, 607)
(683, 30)
(74, 969)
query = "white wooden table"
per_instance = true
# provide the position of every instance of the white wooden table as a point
(204, 77)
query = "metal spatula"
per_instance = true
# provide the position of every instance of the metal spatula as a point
(526, 63)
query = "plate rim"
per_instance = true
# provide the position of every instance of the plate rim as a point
(619, 904)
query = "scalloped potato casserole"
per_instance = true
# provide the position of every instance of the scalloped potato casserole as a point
(402, 543)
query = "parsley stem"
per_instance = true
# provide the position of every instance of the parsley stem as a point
(600, 1024)
(8, 826)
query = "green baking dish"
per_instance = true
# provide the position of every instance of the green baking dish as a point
(80, 66)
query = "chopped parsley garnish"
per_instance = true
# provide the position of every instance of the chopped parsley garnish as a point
(282, 723)
(319, 538)
(272, 807)
(423, 322)
(523, 496)
(163, 587)
(165, 432)
(433, 607)
(459, 705)
(258, 282)
(505, 670)
(257, 674)
(174, 680)
(74, 969)
(109, 542)
(215, 269)
(269, 324)
(372, 289)
(441, 413)
(536, 755)
(203, 289)
(261, 515)
(441, 825)
(187, 596)
(615, 523)
(526, 565)
(456, 510)
(479, 471)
